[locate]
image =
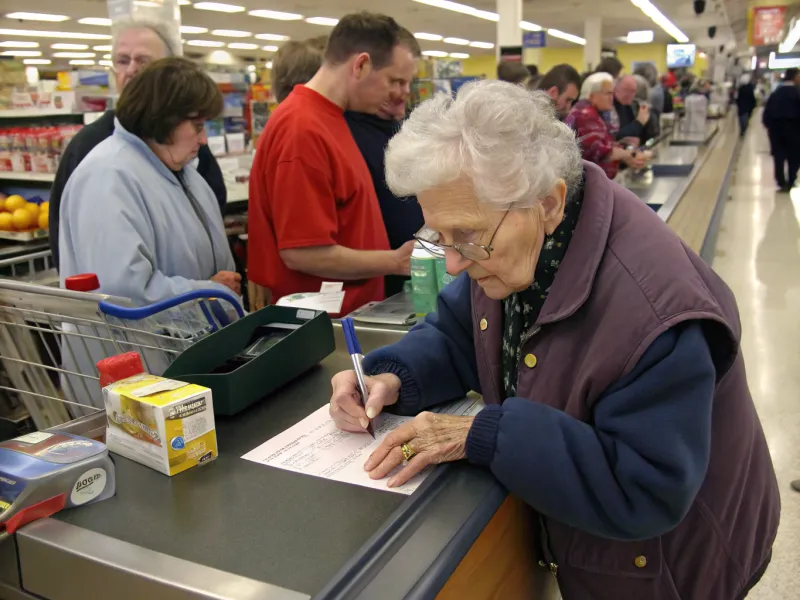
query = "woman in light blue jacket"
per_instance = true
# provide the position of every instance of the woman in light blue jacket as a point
(136, 212)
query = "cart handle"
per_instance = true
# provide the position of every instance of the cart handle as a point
(142, 312)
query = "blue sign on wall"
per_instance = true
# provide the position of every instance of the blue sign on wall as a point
(533, 39)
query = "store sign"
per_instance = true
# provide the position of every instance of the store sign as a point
(767, 25)
(534, 39)
(511, 53)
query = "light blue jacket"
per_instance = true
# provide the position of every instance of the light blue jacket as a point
(125, 217)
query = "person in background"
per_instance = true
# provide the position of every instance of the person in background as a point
(745, 102)
(782, 119)
(607, 353)
(535, 78)
(158, 230)
(628, 120)
(513, 72)
(136, 44)
(656, 98)
(562, 83)
(295, 63)
(652, 128)
(610, 65)
(314, 215)
(594, 137)
(372, 132)
(666, 87)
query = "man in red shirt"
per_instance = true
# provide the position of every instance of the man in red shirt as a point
(314, 215)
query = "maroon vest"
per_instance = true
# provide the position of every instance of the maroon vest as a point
(625, 280)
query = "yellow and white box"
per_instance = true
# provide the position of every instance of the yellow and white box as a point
(164, 424)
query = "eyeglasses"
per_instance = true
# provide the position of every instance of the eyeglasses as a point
(429, 239)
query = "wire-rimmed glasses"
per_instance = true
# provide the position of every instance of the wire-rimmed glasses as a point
(429, 239)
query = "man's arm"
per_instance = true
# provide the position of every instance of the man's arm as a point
(338, 262)
(208, 167)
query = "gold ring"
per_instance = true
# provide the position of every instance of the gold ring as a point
(408, 453)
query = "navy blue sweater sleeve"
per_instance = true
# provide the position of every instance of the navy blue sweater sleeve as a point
(435, 361)
(632, 473)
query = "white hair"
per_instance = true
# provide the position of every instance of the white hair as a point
(161, 30)
(506, 139)
(594, 83)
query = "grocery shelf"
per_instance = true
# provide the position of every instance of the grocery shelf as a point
(27, 113)
(27, 176)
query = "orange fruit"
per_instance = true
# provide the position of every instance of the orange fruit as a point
(32, 208)
(44, 220)
(14, 202)
(22, 219)
(44, 207)
(5, 222)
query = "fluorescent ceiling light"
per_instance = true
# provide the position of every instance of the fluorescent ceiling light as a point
(428, 36)
(192, 29)
(269, 64)
(184, 3)
(792, 37)
(37, 61)
(20, 53)
(19, 44)
(326, 21)
(251, 68)
(242, 46)
(435, 53)
(100, 22)
(218, 7)
(461, 8)
(703, 55)
(486, 45)
(106, 56)
(270, 48)
(74, 54)
(782, 63)
(456, 41)
(639, 37)
(69, 46)
(26, 16)
(102, 48)
(659, 19)
(567, 36)
(81, 62)
(275, 14)
(205, 43)
(67, 35)
(528, 26)
(459, 55)
(273, 37)
(105, 63)
(235, 33)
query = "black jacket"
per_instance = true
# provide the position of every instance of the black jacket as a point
(85, 141)
(630, 127)
(746, 99)
(401, 216)
(782, 112)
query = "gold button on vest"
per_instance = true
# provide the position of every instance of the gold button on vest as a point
(530, 361)
(484, 324)
(640, 561)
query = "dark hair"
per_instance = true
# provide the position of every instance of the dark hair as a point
(407, 39)
(512, 72)
(295, 63)
(610, 65)
(375, 34)
(166, 93)
(533, 70)
(560, 76)
(790, 74)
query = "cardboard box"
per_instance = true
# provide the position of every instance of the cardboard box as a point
(164, 424)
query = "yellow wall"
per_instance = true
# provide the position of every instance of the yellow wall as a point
(573, 55)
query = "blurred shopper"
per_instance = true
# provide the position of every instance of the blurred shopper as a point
(562, 83)
(666, 87)
(295, 63)
(608, 355)
(610, 65)
(136, 44)
(745, 102)
(136, 211)
(656, 96)
(628, 119)
(596, 142)
(372, 132)
(513, 72)
(314, 215)
(652, 128)
(782, 120)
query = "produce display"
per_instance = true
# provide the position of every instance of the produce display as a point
(18, 214)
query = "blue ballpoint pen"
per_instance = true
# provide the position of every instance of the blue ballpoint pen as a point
(354, 349)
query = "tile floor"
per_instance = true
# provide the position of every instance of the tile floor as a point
(758, 255)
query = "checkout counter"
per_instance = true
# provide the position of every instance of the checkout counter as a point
(239, 530)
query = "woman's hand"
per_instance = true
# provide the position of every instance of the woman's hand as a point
(345, 407)
(229, 279)
(434, 438)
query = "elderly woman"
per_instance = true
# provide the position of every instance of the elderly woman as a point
(607, 354)
(596, 141)
(136, 212)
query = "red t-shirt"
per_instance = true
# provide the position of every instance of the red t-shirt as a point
(310, 186)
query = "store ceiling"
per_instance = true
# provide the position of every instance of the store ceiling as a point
(619, 17)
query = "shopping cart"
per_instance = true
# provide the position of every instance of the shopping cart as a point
(51, 340)
(35, 267)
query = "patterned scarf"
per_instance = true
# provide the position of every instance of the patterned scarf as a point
(521, 309)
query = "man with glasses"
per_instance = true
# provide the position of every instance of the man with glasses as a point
(136, 45)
